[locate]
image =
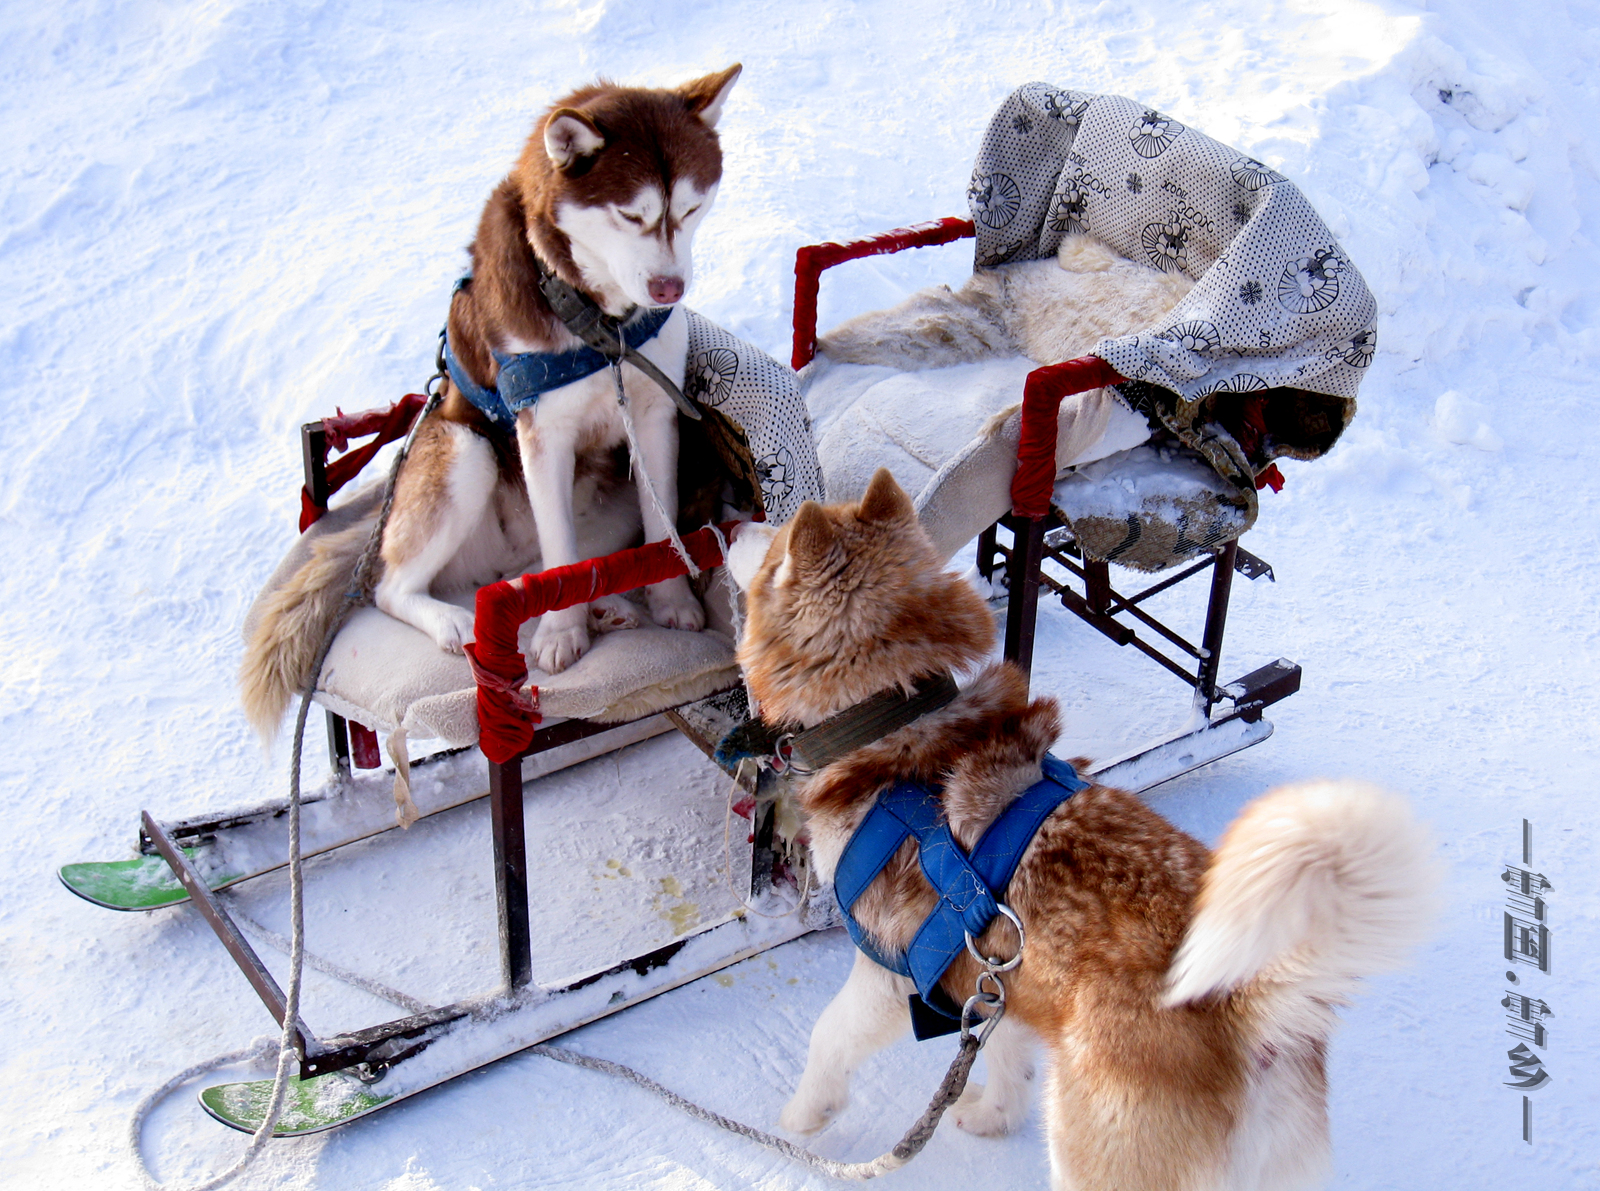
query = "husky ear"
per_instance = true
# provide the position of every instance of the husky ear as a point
(706, 96)
(811, 537)
(885, 500)
(569, 135)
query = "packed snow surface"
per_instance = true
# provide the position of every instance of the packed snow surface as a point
(223, 219)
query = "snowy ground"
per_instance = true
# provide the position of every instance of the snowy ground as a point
(222, 219)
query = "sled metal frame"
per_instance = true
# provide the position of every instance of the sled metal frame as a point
(1098, 604)
(371, 1051)
(1034, 541)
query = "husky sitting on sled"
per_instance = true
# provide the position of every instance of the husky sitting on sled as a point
(1184, 998)
(522, 467)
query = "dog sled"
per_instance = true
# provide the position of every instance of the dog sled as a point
(1260, 360)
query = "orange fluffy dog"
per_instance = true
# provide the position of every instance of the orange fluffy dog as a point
(1184, 998)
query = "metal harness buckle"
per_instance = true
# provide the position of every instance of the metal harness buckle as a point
(990, 993)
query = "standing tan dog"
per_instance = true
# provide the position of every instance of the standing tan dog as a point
(1184, 998)
(606, 196)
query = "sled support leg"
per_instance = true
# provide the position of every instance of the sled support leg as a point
(511, 871)
(217, 918)
(1022, 578)
(1216, 621)
(338, 745)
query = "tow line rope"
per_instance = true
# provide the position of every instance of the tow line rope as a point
(360, 593)
(909, 1146)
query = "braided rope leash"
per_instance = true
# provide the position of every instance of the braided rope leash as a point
(909, 1146)
(360, 593)
(636, 461)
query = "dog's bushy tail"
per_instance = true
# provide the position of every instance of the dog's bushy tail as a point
(1315, 885)
(294, 620)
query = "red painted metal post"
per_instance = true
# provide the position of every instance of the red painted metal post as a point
(811, 260)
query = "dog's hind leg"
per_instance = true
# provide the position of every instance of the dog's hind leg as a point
(999, 1107)
(868, 1014)
(1131, 1108)
(440, 501)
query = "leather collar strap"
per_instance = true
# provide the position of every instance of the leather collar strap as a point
(816, 747)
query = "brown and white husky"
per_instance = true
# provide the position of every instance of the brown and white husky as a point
(1184, 998)
(608, 194)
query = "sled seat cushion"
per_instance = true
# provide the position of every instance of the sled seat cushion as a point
(1143, 504)
(389, 676)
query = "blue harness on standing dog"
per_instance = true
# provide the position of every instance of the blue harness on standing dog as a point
(527, 376)
(970, 887)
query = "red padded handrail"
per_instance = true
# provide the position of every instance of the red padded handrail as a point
(506, 718)
(1045, 388)
(1042, 395)
(810, 261)
(387, 424)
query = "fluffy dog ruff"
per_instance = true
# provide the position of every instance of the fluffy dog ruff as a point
(1314, 886)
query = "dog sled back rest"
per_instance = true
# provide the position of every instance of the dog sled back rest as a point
(1264, 356)
(1261, 360)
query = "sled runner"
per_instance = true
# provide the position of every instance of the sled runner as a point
(1260, 360)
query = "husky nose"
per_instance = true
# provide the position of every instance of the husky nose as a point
(664, 291)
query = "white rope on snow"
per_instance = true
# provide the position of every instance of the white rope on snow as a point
(360, 591)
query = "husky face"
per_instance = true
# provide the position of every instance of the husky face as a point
(638, 248)
(622, 177)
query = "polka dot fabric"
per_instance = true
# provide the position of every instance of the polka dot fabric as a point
(1276, 301)
(762, 398)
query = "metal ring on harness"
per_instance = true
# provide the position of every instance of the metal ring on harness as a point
(994, 965)
(783, 754)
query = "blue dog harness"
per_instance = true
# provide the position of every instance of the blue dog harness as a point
(970, 888)
(526, 376)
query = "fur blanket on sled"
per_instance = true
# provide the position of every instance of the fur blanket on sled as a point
(1195, 270)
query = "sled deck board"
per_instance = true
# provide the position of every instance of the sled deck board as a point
(227, 848)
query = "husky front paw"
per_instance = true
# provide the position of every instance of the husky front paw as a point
(976, 1112)
(450, 627)
(560, 639)
(673, 606)
(613, 612)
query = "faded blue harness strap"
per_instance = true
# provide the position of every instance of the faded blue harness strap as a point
(969, 887)
(527, 376)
